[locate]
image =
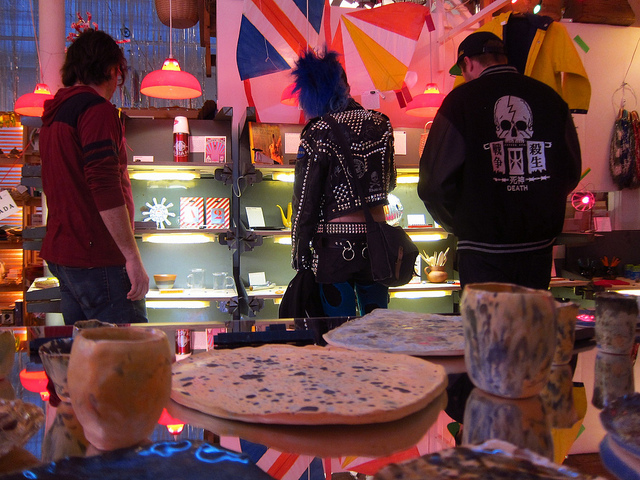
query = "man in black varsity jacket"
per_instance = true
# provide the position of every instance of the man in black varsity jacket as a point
(501, 158)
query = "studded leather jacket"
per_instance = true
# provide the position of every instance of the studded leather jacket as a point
(324, 187)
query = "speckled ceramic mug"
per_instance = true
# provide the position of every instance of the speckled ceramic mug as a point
(510, 337)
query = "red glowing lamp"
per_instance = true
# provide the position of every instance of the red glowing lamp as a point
(35, 381)
(171, 83)
(32, 104)
(174, 426)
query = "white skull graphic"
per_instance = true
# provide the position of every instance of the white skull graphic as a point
(513, 119)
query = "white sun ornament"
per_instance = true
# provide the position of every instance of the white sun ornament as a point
(159, 213)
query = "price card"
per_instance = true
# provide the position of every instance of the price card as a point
(7, 205)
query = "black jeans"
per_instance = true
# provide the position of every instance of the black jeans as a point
(530, 269)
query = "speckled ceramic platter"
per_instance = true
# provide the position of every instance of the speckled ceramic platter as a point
(395, 331)
(372, 440)
(19, 421)
(491, 460)
(283, 384)
(621, 419)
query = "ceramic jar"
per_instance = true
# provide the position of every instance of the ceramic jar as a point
(119, 381)
(616, 320)
(510, 337)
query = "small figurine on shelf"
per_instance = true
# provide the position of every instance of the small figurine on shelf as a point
(286, 219)
(435, 268)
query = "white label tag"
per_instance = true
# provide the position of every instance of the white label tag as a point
(7, 205)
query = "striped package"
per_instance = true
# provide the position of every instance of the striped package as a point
(217, 213)
(191, 212)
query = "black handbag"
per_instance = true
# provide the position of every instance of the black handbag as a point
(392, 253)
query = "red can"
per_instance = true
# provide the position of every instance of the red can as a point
(183, 341)
(180, 147)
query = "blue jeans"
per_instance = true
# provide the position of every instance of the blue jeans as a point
(100, 293)
(347, 299)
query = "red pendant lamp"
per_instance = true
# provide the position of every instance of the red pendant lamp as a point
(32, 104)
(170, 82)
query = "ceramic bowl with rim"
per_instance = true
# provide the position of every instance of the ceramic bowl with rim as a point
(55, 355)
(164, 281)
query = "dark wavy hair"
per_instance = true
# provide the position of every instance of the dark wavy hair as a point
(321, 83)
(90, 58)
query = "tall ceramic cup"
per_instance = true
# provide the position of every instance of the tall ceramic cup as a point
(616, 320)
(119, 380)
(510, 338)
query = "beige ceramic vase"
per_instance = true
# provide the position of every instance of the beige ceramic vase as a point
(510, 337)
(436, 274)
(119, 380)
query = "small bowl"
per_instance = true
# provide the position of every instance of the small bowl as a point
(55, 356)
(93, 323)
(164, 280)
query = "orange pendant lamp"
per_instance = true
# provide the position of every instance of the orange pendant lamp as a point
(32, 104)
(170, 82)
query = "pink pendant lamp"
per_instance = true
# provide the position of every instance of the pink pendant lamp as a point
(170, 82)
(32, 104)
(427, 103)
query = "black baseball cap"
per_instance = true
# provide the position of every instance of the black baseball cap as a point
(475, 44)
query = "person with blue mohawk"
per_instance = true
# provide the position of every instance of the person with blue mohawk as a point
(329, 228)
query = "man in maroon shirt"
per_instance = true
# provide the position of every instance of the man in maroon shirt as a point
(89, 245)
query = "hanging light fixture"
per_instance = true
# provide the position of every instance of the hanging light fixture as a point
(427, 103)
(32, 104)
(170, 82)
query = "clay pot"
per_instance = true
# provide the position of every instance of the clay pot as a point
(510, 339)
(119, 381)
(436, 274)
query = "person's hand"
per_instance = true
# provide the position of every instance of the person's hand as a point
(139, 280)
